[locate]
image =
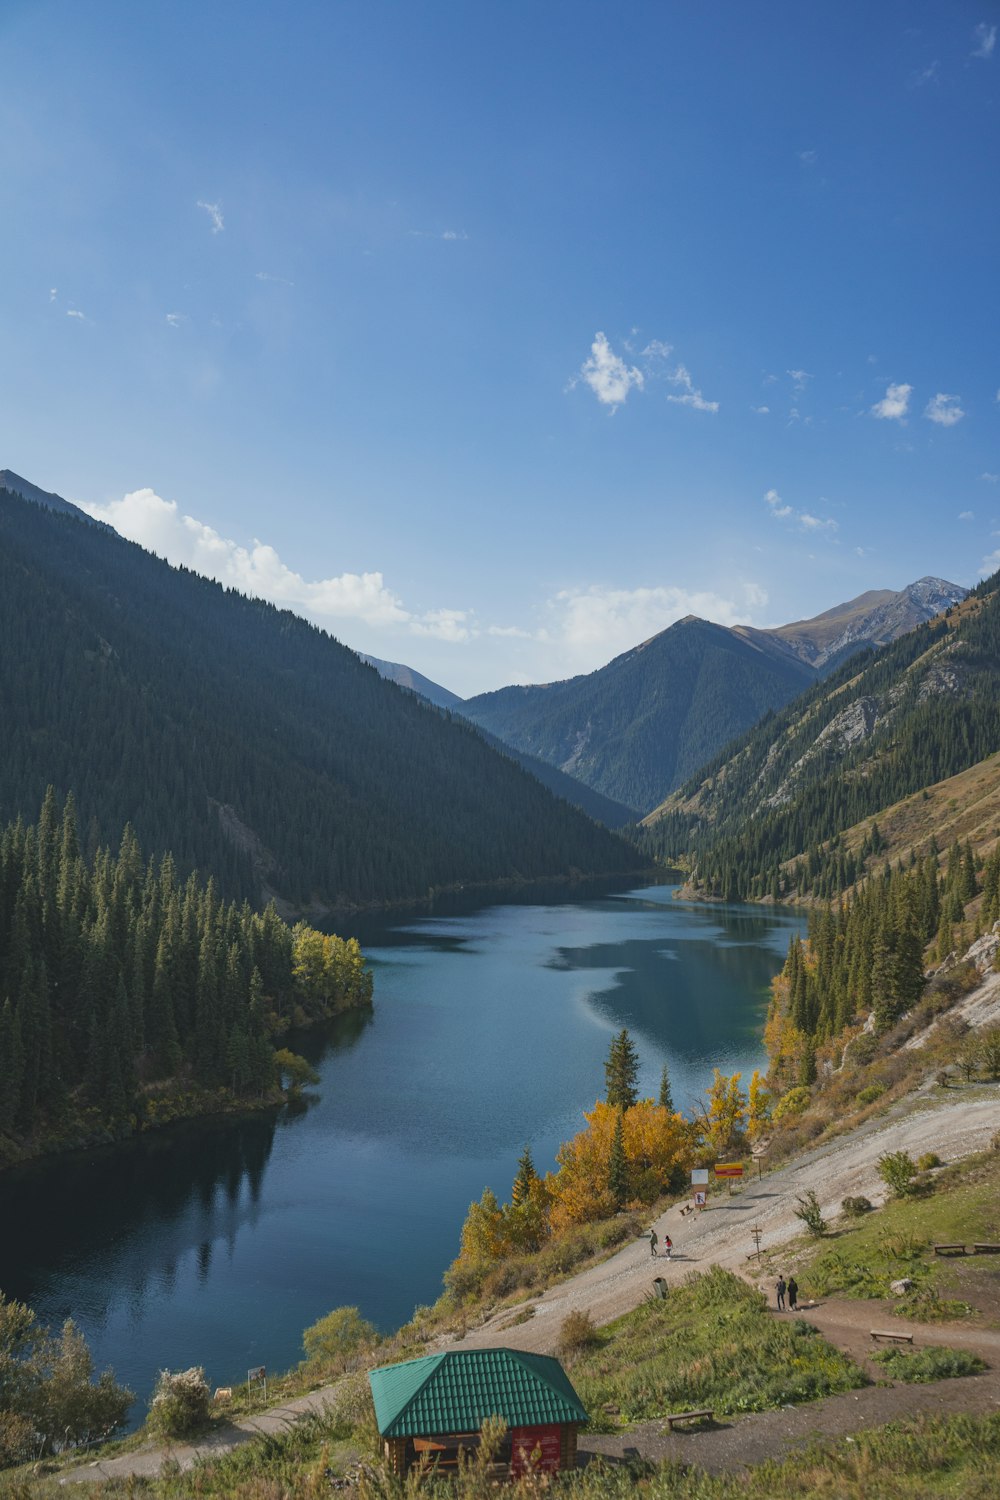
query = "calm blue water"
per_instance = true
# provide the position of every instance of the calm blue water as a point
(216, 1244)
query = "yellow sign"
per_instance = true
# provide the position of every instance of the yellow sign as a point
(728, 1169)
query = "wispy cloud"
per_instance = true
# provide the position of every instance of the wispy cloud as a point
(966, 515)
(800, 379)
(591, 625)
(894, 404)
(266, 276)
(808, 158)
(214, 211)
(922, 76)
(762, 411)
(437, 234)
(985, 37)
(607, 374)
(801, 518)
(175, 319)
(74, 312)
(158, 524)
(990, 478)
(690, 397)
(53, 293)
(944, 410)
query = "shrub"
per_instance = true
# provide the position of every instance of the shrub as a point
(871, 1093)
(576, 1332)
(792, 1103)
(180, 1404)
(855, 1208)
(928, 1161)
(811, 1214)
(919, 1366)
(343, 1332)
(897, 1170)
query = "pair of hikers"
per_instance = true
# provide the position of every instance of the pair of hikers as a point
(654, 1241)
(791, 1288)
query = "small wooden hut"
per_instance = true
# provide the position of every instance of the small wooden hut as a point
(434, 1408)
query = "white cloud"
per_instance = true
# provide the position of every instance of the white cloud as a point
(656, 349)
(74, 312)
(266, 276)
(802, 518)
(454, 234)
(691, 397)
(53, 293)
(762, 411)
(594, 624)
(990, 478)
(755, 596)
(214, 211)
(510, 632)
(925, 75)
(608, 376)
(966, 515)
(860, 551)
(814, 523)
(944, 410)
(990, 563)
(175, 319)
(808, 158)
(894, 404)
(434, 234)
(157, 524)
(799, 378)
(986, 40)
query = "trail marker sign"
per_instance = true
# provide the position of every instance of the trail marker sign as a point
(728, 1169)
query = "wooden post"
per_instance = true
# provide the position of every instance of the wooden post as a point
(395, 1455)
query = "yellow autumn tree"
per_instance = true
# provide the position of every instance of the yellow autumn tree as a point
(759, 1102)
(655, 1142)
(725, 1117)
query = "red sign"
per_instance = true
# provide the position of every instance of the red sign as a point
(535, 1450)
(728, 1169)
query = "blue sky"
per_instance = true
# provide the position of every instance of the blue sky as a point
(495, 337)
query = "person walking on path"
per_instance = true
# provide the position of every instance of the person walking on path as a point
(793, 1294)
(654, 1240)
(668, 1245)
(780, 1289)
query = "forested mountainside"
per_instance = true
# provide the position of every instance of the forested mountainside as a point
(603, 809)
(652, 716)
(769, 815)
(247, 742)
(114, 974)
(28, 491)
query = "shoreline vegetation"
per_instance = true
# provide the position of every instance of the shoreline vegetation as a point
(130, 999)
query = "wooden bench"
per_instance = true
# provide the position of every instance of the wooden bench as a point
(688, 1416)
(950, 1250)
(897, 1338)
(981, 1249)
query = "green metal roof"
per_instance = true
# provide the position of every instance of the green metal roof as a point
(456, 1391)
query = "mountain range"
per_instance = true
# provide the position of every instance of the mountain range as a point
(252, 745)
(790, 807)
(639, 727)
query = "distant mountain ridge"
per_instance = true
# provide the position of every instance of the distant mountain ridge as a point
(416, 682)
(872, 619)
(639, 727)
(28, 491)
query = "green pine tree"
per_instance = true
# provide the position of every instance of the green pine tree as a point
(621, 1072)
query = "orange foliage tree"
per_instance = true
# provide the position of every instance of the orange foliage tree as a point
(655, 1142)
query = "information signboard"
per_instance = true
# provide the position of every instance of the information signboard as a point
(535, 1450)
(699, 1176)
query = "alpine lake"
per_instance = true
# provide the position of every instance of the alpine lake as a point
(217, 1242)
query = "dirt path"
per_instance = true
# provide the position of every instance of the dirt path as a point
(721, 1235)
(954, 1128)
